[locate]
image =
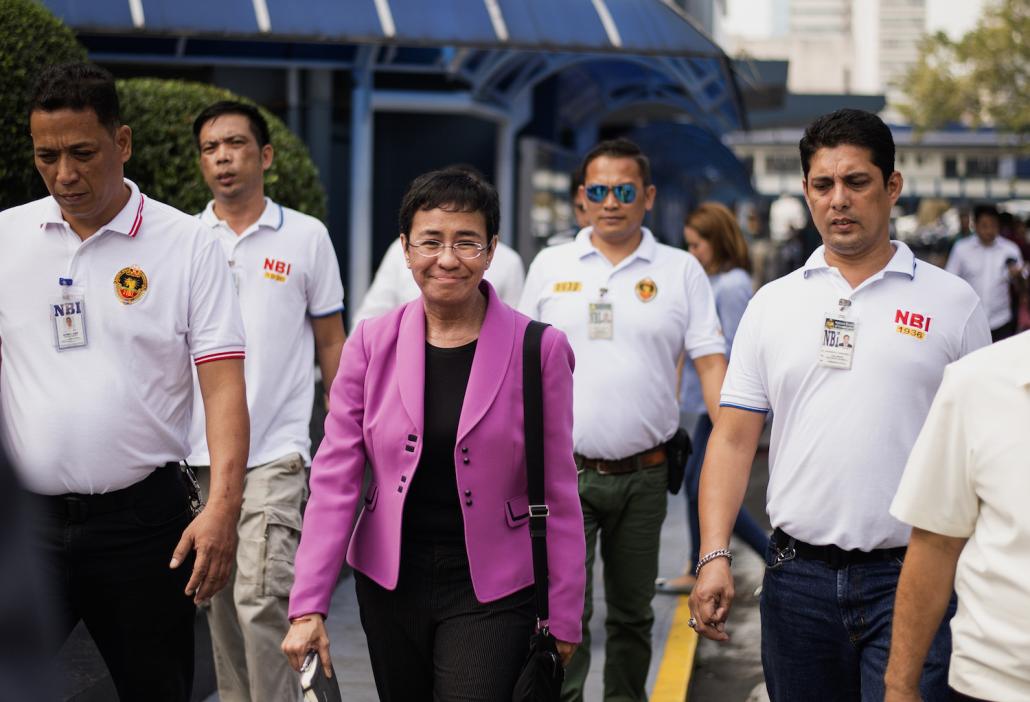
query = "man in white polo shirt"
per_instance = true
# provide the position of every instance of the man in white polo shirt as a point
(990, 264)
(289, 288)
(844, 419)
(107, 298)
(964, 491)
(630, 308)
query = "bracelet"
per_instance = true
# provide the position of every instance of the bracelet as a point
(712, 555)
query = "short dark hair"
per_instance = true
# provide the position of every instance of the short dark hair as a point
(77, 86)
(985, 208)
(619, 148)
(454, 189)
(852, 127)
(258, 125)
(575, 180)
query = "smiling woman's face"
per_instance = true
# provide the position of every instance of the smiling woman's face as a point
(448, 279)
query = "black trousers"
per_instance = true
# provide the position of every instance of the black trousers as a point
(1004, 331)
(108, 566)
(431, 640)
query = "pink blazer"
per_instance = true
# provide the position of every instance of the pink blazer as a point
(376, 414)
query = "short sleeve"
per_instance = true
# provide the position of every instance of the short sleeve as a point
(529, 302)
(977, 332)
(325, 288)
(954, 263)
(703, 334)
(388, 286)
(215, 325)
(938, 470)
(731, 301)
(745, 384)
(508, 275)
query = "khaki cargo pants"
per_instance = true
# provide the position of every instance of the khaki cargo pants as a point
(248, 617)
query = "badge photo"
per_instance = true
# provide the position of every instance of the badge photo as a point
(130, 284)
(646, 289)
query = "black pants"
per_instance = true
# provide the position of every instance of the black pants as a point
(957, 696)
(432, 640)
(110, 570)
(1004, 331)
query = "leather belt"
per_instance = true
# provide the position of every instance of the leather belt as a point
(833, 556)
(631, 464)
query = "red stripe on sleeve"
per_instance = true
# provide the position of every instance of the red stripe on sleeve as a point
(218, 357)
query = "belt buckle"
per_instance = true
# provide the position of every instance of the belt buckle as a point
(601, 470)
(76, 509)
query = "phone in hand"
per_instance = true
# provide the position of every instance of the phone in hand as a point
(315, 685)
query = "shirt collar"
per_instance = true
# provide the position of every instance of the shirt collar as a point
(128, 220)
(271, 217)
(647, 249)
(903, 261)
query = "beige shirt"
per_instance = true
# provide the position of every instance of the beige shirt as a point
(969, 477)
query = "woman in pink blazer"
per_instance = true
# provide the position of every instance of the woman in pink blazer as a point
(430, 395)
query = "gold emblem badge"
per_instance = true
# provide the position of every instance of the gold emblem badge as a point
(130, 284)
(568, 286)
(646, 290)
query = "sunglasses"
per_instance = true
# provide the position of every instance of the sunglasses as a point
(624, 192)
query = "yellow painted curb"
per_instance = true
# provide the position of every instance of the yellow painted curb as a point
(678, 659)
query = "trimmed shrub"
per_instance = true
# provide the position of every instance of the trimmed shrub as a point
(164, 153)
(32, 38)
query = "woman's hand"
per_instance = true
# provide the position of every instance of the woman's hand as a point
(565, 650)
(307, 634)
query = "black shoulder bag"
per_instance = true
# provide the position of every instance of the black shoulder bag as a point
(542, 673)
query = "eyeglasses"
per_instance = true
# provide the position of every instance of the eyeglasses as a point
(624, 192)
(462, 249)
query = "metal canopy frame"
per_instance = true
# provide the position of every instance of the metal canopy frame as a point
(491, 80)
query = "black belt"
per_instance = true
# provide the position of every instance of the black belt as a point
(833, 556)
(78, 507)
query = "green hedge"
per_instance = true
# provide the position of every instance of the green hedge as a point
(164, 154)
(31, 39)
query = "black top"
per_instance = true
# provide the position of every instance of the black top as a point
(432, 511)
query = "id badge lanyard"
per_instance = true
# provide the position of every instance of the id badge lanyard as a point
(68, 316)
(601, 318)
(839, 336)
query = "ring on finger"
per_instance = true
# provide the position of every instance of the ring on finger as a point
(692, 622)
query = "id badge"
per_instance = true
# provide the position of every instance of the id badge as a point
(68, 315)
(838, 341)
(601, 320)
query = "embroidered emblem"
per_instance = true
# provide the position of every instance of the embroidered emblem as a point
(912, 324)
(277, 270)
(130, 284)
(646, 290)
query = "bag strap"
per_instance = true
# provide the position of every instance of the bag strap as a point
(533, 425)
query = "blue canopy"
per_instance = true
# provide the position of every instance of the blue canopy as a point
(645, 27)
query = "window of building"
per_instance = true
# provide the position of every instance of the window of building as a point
(950, 167)
(981, 167)
(782, 164)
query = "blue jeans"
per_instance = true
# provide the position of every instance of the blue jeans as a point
(745, 527)
(826, 633)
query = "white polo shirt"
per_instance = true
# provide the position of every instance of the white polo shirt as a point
(286, 272)
(969, 477)
(101, 417)
(394, 284)
(624, 389)
(984, 268)
(840, 438)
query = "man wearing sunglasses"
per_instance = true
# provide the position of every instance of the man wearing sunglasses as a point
(630, 307)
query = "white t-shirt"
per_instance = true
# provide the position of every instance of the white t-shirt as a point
(394, 285)
(101, 417)
(984, 268)
(624, 394)
(840, 438)
(969, 477)
(786, 215)
(286, 272)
